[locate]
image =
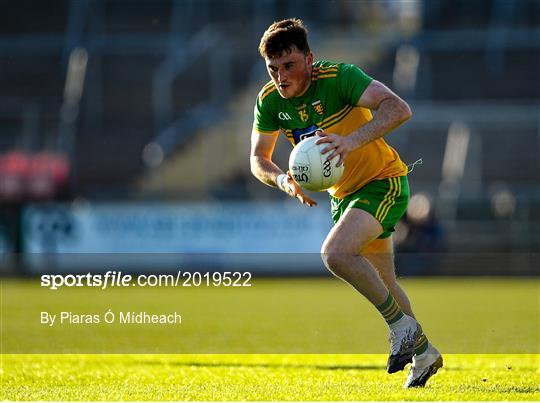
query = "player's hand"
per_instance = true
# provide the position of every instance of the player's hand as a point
(294, 190)
(338, 146)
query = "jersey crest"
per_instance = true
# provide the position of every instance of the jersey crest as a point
(318, 107)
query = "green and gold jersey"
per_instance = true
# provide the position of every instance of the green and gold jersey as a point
(330, 104)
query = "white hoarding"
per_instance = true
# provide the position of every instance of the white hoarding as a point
(152, 228)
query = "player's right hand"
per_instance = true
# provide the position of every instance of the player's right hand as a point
(293, 189)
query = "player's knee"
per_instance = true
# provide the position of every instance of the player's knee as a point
(338, 262)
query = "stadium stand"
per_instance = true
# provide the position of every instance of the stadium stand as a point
(182, 75)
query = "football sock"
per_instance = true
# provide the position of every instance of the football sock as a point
(395, 318)
(390, 310)
(421, 345)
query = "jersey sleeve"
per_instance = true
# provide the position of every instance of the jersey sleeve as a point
(263, 119)
(352, 82)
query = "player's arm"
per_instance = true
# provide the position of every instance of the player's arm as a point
(391, 112)
(264, 169)
(262, 166)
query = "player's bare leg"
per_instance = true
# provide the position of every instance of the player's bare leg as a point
(355, 229)
(380, 253)
(427, 360)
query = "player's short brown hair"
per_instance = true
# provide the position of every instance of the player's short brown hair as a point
(281, 36)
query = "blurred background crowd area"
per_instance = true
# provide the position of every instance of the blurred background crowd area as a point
(149, 103)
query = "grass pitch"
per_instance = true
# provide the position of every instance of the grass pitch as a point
(466, 318)
(261, 377)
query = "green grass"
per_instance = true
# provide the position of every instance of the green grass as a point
(261, 377)
(468, 319)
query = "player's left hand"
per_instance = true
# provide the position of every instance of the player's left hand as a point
(294, 190)
(337, 146)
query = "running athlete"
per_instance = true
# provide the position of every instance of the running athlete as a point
(334, 101)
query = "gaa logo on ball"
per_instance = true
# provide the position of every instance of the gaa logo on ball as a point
(309, 167)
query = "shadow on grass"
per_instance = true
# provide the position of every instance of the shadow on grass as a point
(519, 389)
(328, 367)
(358, 367)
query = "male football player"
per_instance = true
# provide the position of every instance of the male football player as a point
(334, 101)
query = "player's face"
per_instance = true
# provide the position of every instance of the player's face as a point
(291, 72)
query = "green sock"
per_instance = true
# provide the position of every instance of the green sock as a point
(421, 344)
(390, 310)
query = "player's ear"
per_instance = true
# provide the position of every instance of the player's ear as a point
(309, 58)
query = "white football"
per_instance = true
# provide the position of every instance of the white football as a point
(309, 167)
